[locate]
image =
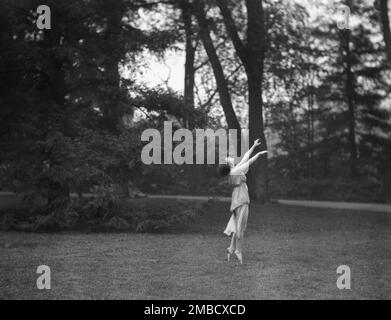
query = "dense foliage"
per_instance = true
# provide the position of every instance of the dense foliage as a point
(72, 105)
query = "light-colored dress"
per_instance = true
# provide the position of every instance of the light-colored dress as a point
(239, 206)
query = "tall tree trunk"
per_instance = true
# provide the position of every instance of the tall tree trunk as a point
(191, 171)
(189, 63)
(58, 193)
(221, 82)
(54, 89)
(258, 182)
(310, 133)
(112, 95)
(385, 21)
(112, 113)
(350, 93)
(257, 175)
(252, 57)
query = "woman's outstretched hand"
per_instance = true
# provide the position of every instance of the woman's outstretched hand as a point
(259, 153)
(257, 143)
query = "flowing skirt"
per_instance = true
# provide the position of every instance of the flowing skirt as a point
(238, 222)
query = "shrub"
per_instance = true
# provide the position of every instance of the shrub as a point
(46, 223)
(152, 226)
(159, 217)
(108, 213)
(7, 222)
(115, 223)
(326, 189)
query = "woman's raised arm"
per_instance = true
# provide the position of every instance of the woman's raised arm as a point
(242, 168)
(247, 155)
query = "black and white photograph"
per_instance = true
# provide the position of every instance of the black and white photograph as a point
(195, 150)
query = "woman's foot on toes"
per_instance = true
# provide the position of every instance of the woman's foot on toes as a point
(239, 256)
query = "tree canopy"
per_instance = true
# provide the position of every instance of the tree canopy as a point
(72, 105)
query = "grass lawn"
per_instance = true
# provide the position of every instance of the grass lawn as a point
(289, 253)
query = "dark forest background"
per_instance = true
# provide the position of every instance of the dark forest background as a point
(316, 95)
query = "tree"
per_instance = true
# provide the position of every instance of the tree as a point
(354, 85)
(190, 50)
(291, 69)
(221, 82)
(62, 86)
(252, 57)
(385, 22)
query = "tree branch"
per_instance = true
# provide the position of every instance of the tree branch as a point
(232, 30)
(221, 82)
(216, 90)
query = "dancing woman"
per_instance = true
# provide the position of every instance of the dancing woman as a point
(240, 199)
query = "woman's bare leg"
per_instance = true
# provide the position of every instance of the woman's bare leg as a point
(238, 249)
(239, 243)
(231, 248)
(241, 223)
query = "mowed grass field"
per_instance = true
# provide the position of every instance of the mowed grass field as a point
(289, 253)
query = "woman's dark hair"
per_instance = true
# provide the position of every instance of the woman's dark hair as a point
(224, 170)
